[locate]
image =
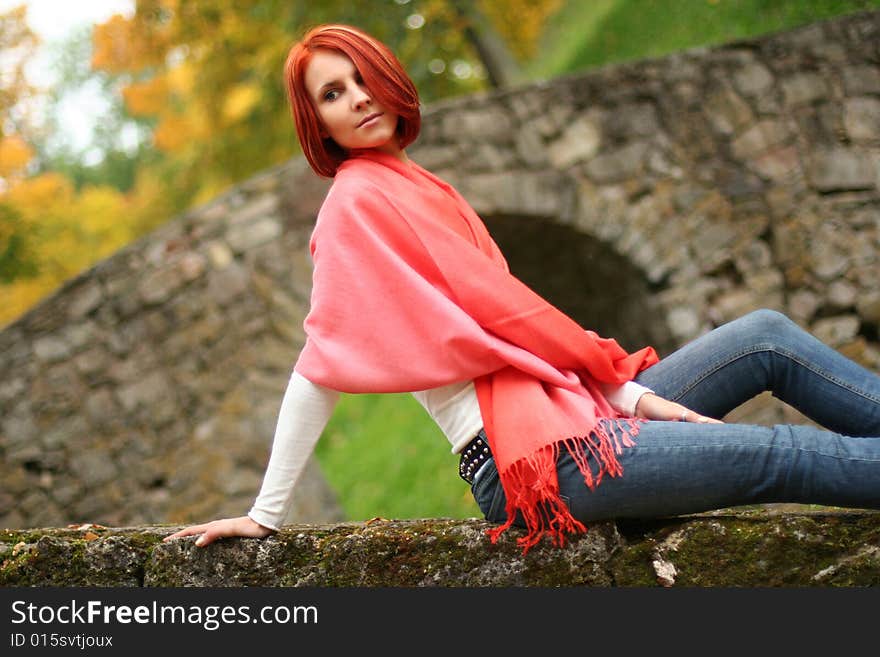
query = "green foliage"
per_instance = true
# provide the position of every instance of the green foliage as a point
(16, 252)
(117, 168)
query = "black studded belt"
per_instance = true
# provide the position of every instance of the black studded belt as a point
(473, 456)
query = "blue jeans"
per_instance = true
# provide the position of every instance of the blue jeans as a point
(680, 467)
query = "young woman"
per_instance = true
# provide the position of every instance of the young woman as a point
(556, 426)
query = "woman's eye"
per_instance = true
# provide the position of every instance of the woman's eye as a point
(331, 95)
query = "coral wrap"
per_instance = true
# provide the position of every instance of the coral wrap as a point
(410, 292)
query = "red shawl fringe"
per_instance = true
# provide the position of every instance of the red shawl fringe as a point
(532, 486)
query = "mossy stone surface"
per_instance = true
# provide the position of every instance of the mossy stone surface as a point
(721, 549)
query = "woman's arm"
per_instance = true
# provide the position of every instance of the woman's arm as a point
(653, 407)
(305, 411)
(635, 400)
(624, 398)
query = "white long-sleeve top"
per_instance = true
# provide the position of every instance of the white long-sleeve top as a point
(306, 408)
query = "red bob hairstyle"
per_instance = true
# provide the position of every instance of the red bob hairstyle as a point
(381, 72)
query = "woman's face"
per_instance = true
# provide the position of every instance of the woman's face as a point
(349, 113)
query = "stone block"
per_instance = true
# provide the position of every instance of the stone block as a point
(760, 137)
(65, 432)
(803, 88)
(86, 298)
(619, 164)
(579, 142)
(727, 112)
(530, 148)
(778, 164)
(684, 322)
(837, 331)
(227, 284)
(52, 349)
(93, 468)
(861, 79)
(145, 390)
(753, 79)
(841, 294)
(633, 121)
(868, 307)
(100, 407)
(256, 209)
(861, 118)
(802, 305)
(437, 156)
(839, 168)
(477, 125)
(245, 236)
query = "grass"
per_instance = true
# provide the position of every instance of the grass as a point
(574, 24)
(586, 34)
(382, 453)
(384, 456)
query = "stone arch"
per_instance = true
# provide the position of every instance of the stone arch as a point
(585, 278)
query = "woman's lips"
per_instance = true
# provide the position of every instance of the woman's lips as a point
(369, 118)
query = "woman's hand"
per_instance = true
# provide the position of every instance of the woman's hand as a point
(654, 407)
(211, 531)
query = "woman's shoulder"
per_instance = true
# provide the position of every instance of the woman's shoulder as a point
(355, 183)
(355, 198)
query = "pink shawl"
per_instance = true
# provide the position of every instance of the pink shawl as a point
(410, 292)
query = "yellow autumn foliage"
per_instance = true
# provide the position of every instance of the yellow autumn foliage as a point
(124, 45)
(149, 201)
(14, 155)
(146, 98)
(40, 194)
(114, 46)
(72, 231)
(22, 295)
(172, 133)
(240, 100)
(209, 73)
(180, 78)
(102, 212)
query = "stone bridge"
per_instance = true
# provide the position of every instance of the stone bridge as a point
(651, 200)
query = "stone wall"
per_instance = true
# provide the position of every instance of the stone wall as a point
(652, 200)
(742, 549)
(147, 389)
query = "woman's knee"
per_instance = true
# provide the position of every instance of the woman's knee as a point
(767, 324)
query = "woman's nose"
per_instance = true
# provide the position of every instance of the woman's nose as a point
(360, 97)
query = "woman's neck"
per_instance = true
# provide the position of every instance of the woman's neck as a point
(388, 149)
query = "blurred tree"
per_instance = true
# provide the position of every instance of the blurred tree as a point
(208, 74)
(50, 229)
(197, 88)
(18, 44)
(67, 231)
(118, 142)
(501, 67)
